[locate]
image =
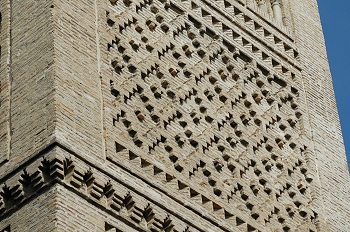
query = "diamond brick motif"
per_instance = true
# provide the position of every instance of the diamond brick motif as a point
(192, 100)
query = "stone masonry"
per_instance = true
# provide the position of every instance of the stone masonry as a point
(168, 115)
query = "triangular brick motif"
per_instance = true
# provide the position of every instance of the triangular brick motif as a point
(148, 214)
(167, 225)
(128, 202)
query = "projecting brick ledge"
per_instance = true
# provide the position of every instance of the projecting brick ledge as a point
(120, 200)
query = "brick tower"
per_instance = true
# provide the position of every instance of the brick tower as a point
(168, 115)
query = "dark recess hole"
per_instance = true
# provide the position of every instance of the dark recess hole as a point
(119, 147)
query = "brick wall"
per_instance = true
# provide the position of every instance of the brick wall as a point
(324, 121)
(27, 78)
(39, 214)
(168, 115)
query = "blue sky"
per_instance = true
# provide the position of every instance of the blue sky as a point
(335, 16)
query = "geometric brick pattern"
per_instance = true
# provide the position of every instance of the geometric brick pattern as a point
(168, 115)
(194, 102)
(92, 184)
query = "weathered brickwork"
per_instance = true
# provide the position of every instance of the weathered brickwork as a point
(324, 121)
(27, 90)
(5, 88)
(206, 112)
(37, 214)
(168, 115)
